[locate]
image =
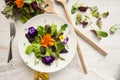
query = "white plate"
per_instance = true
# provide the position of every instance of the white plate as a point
(57, 64)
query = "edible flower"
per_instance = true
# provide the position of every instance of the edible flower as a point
(19, 3)
(47, 41)
(63, 39)
(48, 60)
(32, 31)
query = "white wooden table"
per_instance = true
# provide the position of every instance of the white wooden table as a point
(99, 67)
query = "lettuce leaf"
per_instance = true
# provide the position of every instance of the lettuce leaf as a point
(59, 46)
(53, 29)
(29, 49)
(63, 27)
(41, 31)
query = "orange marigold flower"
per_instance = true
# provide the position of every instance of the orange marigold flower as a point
(47, 41)
(19, 3)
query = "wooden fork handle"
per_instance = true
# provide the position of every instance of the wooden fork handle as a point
(81, 59)
(67, 14)
(91, 42)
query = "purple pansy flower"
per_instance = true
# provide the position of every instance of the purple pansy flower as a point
(48, 60)
(32, 31)
(66, 40)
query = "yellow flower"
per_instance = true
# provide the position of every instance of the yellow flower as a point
(62, 38)
(19, 3)
(47, 41)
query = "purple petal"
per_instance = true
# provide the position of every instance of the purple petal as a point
(48, 60)
(32, 31)
(66, 40)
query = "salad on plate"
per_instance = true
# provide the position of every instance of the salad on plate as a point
(47, 42)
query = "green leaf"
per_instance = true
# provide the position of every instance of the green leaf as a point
(93, 8)
(8, 11)
(95, 14)
(105, 14)
(48, 52)
(59, 46)
(75, 7)
(58, 55)
(63, 27)
(53, 28)
(37, 39)
(41, 31)
(29, 49)
(99, 23)
(101, 34)
(39, 1)
(23, 19)
(36, 48)
(28, 1)
(35, 62)
(114, 28)
(78, 18)
(27, 9)
(54, 55)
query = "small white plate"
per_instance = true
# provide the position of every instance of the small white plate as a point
(58, 64)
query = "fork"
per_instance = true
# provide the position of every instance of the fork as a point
(12, 35)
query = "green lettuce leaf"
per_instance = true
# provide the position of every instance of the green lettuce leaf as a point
(63, 27)
(114, 28)
(53, 29)
(78, 18)
(59, 46)
(41, 31)
(8, 11)
(29, 49)
(101, 34)
(75, 7)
